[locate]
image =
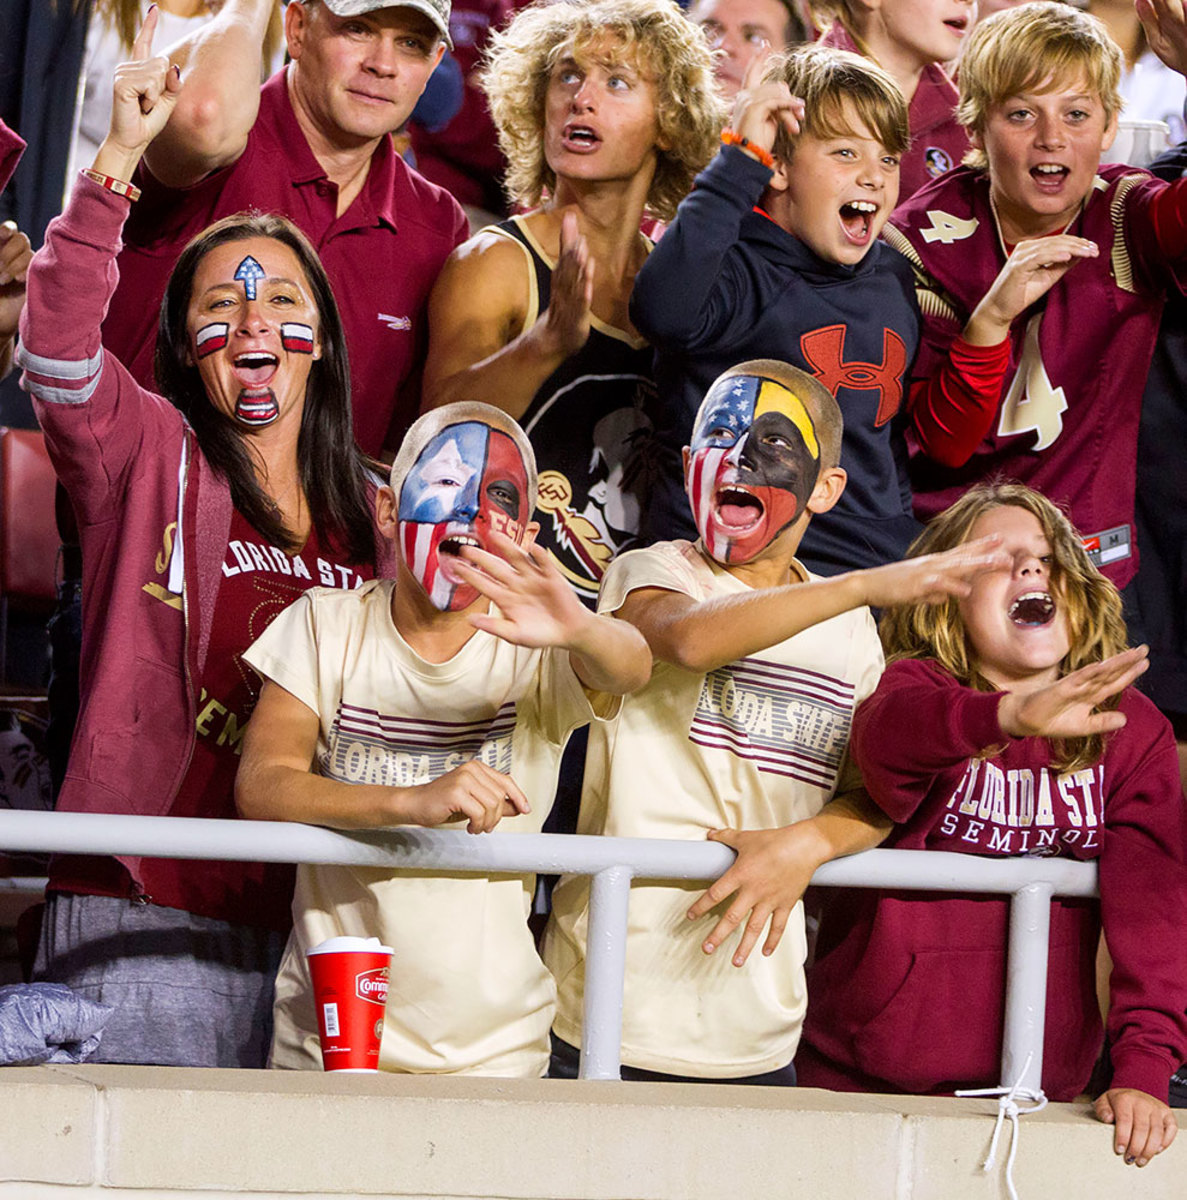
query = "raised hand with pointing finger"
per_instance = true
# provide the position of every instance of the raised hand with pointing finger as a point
(144, 92)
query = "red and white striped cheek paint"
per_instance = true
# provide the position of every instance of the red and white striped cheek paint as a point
(296, 337)
(210, 338)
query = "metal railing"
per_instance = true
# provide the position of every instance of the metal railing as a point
(612, 863)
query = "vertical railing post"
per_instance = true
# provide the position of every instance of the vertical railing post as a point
(605, 973)
(1026, 986)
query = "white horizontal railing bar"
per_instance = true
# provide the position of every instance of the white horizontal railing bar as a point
(613, 862)
(547, 853)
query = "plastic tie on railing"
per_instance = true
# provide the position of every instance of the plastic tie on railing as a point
(1007, 1108)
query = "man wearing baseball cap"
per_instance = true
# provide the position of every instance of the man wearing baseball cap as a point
(315, 144)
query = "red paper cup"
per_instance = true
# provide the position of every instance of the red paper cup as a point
(349, 992)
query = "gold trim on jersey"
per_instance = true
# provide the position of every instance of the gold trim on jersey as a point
(932, 299)
(1121, 262)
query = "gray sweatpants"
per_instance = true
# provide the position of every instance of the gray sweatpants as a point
(188, 991)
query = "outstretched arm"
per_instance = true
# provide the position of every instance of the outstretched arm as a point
(701, 635)
(1066, 708)
(477, 350)
(774, 867)
(538, 608)
(145, 92)
(275, 781)
(221, 61)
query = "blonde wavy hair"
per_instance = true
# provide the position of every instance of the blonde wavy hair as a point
(828, 81)
(1022, 50)
(656, 37)
(1090, 603)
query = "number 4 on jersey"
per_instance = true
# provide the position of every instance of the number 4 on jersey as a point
(1032, 404)
(946, 229)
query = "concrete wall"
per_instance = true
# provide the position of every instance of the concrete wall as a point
(149, 1132)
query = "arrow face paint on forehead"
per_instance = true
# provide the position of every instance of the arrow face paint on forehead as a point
(249, 273)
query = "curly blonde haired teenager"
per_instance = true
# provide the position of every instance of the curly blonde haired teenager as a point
(656, 38)
(605, 110)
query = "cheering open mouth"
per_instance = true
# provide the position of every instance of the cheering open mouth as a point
(255, 368)
(737, 508)
(1032, 610)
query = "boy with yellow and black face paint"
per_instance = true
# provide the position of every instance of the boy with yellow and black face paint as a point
(740, 735)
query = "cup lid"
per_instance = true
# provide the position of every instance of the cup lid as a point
(341, 945)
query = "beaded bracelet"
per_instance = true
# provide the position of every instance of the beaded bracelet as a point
(119, 186)
(730, 138)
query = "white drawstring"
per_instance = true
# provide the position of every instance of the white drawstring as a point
(1007, 1106)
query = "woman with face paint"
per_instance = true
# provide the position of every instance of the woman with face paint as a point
(204, 511)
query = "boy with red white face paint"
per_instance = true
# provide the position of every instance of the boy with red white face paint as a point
(758, 669)
(444, 695)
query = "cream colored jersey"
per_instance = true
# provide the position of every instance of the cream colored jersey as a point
(468, 992)
(756, 744)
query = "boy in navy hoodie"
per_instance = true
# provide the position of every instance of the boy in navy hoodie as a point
(774, 254)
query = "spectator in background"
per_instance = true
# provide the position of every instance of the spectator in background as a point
(314, 143)
(204, 511)
(112, 26)
(1004, 385)
(913, 40)
(605, 109)
(776, 250)
(1150, 90)
(742, 29)
(461, 152)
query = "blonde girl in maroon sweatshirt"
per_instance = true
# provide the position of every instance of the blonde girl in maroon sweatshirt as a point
(1005, 726)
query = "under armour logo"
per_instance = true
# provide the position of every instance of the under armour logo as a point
(397, 323)
(822, 348)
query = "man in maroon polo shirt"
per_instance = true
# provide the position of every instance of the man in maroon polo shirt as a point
(315, 144)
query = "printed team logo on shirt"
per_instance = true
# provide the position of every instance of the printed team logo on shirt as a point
(937, 161)
(1024, 811)
(786, 720)
(367, 746)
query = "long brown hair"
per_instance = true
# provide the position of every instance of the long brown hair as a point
(333, 469)
(1090, 602)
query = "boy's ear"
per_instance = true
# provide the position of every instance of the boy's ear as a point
(976, 140)
(827, 491)
(385, 512)
(779, 181)
(686, 456)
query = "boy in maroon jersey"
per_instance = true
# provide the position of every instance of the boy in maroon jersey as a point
(1041, 277)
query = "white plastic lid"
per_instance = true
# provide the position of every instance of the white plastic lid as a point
(340, 945)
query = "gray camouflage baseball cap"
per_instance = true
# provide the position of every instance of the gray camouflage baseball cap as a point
(436, 10)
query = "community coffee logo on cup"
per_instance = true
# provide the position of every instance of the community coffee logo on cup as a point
(372, 985)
